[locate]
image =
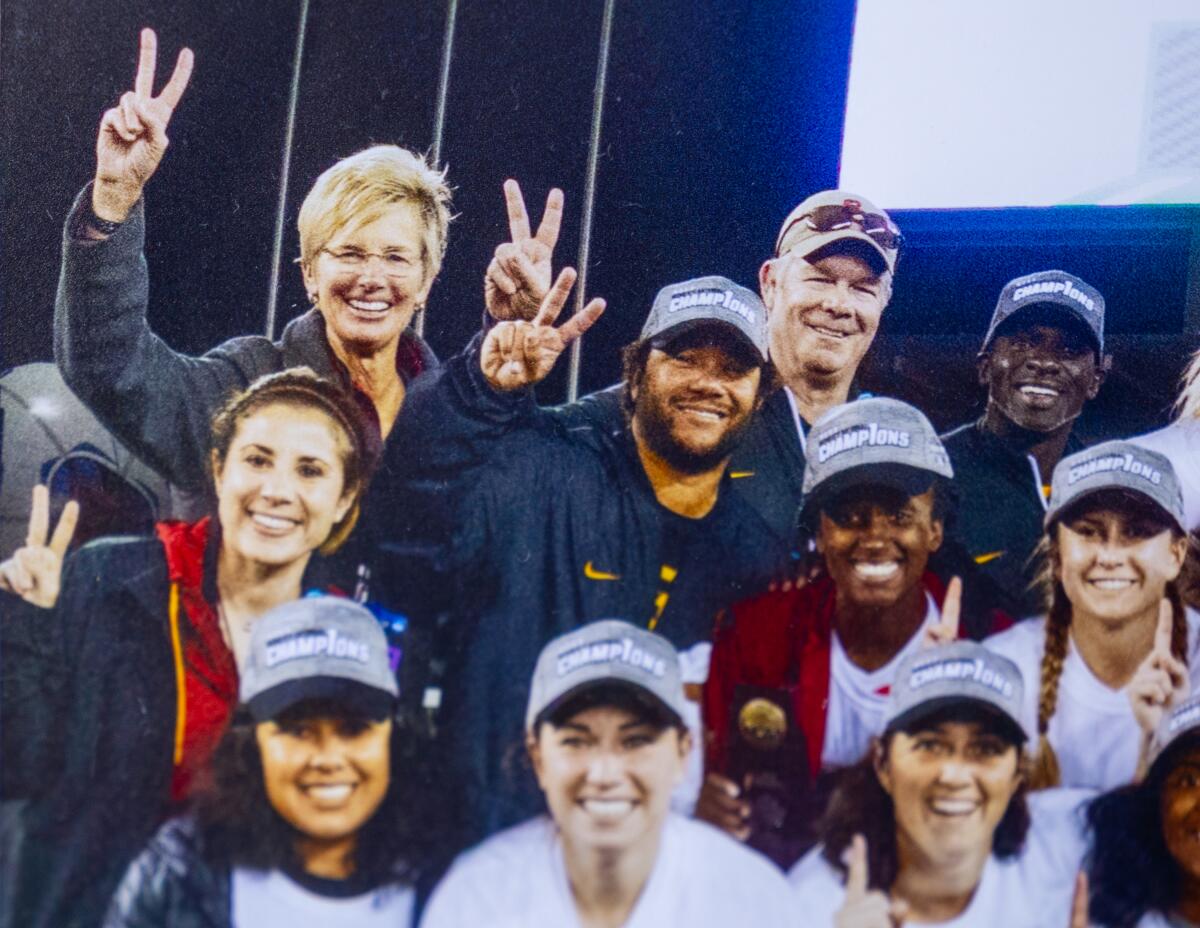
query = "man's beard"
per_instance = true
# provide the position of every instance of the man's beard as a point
(654, 429)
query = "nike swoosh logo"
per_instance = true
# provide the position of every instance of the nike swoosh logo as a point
(592, 573)
(738, 474)
(990, 556)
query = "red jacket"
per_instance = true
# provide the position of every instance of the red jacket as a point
(778, 640)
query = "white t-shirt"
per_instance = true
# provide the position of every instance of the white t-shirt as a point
(1179, 443)
(267, 899)
(702, 879)
(1033, 889)
(858, 698)
(1093, 731)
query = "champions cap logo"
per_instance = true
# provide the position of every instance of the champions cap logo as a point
(311, 643)
(612, 651)
(1065, 287)
(857, 436)
(1111, 462)
(960, 669)
(724, 298)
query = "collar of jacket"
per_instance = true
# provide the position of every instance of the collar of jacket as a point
(304, 344)
(991, 443)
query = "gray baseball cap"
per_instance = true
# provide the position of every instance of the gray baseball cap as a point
(607, 651)
(706, 301)
(875, 440)
(320, 647)
(940, 677)
(1116, 465)
(1055, 288)
(834, 216)
(1179, 725)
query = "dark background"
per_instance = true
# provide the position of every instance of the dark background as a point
(718, 118)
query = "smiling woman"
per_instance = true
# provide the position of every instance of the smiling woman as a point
(1114, 547)
(317, 813)
(116, 691)
(933, 825)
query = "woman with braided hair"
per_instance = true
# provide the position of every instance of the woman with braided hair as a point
(1114, 548)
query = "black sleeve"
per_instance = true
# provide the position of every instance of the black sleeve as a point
(158, 887)
(157, 401)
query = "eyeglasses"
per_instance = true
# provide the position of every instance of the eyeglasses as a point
(847, 215)
(395, 263)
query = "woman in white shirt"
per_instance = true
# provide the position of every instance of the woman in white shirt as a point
(934, 826)
(605, 733)
(1115, 545)
(1179, 442)
(1144, 863)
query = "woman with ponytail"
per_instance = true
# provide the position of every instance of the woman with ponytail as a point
(1114, 547)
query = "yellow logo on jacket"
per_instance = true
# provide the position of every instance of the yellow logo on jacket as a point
(590, 571)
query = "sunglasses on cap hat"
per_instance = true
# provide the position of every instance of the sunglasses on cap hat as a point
(848, 214)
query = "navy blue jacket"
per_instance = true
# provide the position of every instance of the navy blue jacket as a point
(556, 525)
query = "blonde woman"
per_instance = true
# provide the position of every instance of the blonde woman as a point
(1114, 547)
(1179, 442)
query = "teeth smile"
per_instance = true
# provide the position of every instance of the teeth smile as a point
(369, 306)
(953, 806)
(830, 333)
(275, 523)
(1112, 584)
(333, 792)
(607, 808)
(873, 571)
(1032, 390)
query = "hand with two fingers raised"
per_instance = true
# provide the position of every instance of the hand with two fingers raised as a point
(863, 907)
(946, 629)
(34, 572)
(133, 134)
(519, 273)
(521, 354)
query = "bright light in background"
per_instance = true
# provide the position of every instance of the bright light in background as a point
(966, 103)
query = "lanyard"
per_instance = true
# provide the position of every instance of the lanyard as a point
(800, 428)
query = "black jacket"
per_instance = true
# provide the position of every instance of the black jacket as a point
(557, 525)
(1000, 513)
(172, 884)
(767, 467)
(88, 706)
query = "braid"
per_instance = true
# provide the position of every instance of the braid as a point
(1046, 772)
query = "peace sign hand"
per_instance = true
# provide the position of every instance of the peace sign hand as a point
(133, 134)
(946, 630)
(865, 908)
(1161, 682)
(519, 274)
(34, 571)
(520, 354)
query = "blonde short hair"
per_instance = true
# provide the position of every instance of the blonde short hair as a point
(358, 189)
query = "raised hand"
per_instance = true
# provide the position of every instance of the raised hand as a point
(520, 354)
(34, 571)
(721, 804)
(946, 630)
(863, 907)
(133, 134)
(1161, 682)
(519, 274)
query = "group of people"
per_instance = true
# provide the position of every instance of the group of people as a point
(730, 642)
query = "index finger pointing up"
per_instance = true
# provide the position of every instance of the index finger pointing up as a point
(518, 218)
(1162, 633)
(952, 608)
(143, 83)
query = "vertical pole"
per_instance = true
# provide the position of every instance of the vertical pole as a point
(285, 170)
(589, 192)
(439, 116)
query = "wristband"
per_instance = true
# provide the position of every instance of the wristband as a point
(103, 226)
